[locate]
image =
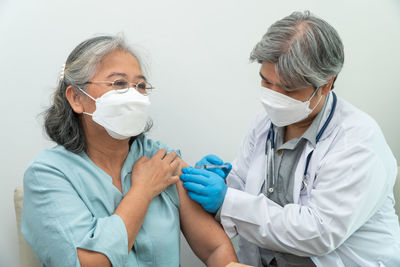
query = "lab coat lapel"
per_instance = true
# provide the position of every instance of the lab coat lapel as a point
(298, 177)
(301, 165)
(256, 175)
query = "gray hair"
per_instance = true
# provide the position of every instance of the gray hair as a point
(61, 123)
(305, 49)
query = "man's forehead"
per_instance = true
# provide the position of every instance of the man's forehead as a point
(268, 70)
(268, 73)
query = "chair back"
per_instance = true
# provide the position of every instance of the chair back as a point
(26, 255)
(396, 193)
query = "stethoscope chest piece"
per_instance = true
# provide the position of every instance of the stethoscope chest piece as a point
(271, 190)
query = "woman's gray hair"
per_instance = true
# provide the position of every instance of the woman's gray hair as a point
(306, 50)
(61, 123)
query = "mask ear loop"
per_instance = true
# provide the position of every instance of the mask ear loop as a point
(309, 100)
(313, 94)
(89, 97)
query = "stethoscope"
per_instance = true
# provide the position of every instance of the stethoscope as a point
(271, 148)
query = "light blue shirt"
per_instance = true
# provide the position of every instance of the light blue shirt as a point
(69, 203)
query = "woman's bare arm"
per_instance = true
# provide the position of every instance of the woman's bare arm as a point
(204, 234)
(88, 258)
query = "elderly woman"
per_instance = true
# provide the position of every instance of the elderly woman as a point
(107, 195)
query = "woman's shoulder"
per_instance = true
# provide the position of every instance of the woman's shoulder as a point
(148, 147)
(55, 160)
(57, 155)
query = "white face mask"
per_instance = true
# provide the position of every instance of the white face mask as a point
(123, 115)
(284, 110)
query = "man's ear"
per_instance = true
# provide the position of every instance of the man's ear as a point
(327, 87)
(74, 99)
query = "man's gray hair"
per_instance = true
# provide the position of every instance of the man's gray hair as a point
(305, 49)
(61, 123)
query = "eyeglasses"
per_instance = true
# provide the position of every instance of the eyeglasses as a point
(122, 85)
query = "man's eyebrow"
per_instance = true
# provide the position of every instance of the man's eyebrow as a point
(265, 79)
(262, 77)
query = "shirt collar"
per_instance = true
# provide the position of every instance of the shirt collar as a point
(310, 134)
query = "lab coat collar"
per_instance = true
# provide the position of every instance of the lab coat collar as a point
(332, 124)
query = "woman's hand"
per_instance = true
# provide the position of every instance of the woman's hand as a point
(153, 175)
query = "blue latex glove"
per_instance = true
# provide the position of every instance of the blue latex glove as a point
(205, 187)
(213, 159)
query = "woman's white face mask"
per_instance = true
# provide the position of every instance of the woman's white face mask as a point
(284, 110)
(123, 115)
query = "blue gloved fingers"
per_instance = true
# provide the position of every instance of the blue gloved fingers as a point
(213, 159)
(195, 188)
(220, 172)
(203, 161)
(210, 159)
(198, 179)
(209, 191)
(227, 170)
(191, 170)
(198, 198)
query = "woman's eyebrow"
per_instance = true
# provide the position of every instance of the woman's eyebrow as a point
(141, 77)
(125, 75)
(117, 74)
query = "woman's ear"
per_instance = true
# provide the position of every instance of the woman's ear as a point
(327, 87)
(74, 99)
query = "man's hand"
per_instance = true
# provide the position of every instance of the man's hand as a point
(205, 187)
(214, 160)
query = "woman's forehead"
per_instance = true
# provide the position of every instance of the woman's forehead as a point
(119, 63)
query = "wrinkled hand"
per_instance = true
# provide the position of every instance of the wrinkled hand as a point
(205, 187)
(153, 175)
(213, 159)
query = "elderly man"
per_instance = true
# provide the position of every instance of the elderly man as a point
(312, 184)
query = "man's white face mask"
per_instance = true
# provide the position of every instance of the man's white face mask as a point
(123, 115)
(284, 110)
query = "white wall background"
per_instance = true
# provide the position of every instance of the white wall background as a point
(197, 51)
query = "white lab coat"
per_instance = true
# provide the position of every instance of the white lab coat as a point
(344, 218)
